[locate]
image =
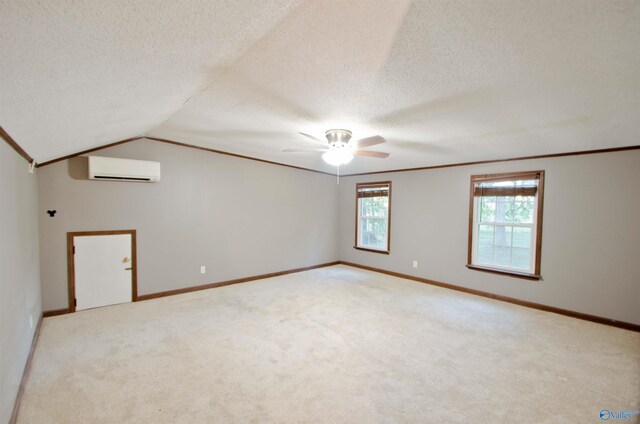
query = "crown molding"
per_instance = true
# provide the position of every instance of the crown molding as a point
(11, 142)
(222, 152)
(180, 144)
(73, 155)
(480, 162)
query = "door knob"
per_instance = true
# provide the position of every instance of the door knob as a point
(128, 269)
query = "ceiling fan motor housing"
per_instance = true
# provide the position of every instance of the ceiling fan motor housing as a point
(338, 137)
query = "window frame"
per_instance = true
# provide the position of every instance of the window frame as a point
(538, 204)
(356, 244)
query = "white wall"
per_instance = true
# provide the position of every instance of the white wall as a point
(237, 217)
(19, 272)
(590, 243)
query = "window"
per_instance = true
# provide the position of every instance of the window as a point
(373, 211)
(505, 223)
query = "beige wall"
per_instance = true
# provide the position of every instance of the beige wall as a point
(237, 217)
(591, 234)
(19, 272)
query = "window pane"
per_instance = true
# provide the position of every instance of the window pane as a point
(502, 256)
(485, 254)
(503, 236)
(520, 258)
(485, 244)
(487, 209)
(523, 209)
(502, 208)
(373, 233)
(485, 236)
(502, 243)
(504, 246)
(508, 208)
(374, 206)
(522, 237)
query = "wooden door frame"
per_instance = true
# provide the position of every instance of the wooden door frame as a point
(71, 269)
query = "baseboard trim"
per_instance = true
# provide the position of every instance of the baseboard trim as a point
(55, 312)
(230, 282)
(539, 306)
(25, 373)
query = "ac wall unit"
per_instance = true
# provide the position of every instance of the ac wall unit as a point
(116, 169)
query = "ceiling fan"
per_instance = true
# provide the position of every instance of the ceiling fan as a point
(339, 149)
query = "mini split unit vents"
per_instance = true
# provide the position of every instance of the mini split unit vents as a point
(116, 169)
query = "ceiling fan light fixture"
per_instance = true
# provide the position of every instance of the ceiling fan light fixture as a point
(339, 149)
(337, 157)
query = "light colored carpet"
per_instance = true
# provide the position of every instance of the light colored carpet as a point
(332, 345)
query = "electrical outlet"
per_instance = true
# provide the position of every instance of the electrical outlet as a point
(31, 321)
(203, 269)
(415, 264)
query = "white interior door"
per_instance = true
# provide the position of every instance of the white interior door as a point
(103, 270)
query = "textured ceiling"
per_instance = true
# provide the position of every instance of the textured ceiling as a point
(443, 81)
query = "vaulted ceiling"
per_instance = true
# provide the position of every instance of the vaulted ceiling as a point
(443, 81)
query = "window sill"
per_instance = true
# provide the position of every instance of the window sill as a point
(368, 249)
(516, 274)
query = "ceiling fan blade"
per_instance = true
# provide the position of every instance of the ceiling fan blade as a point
(305, 150)
(313, 138)
(370, 141)
(371, 153)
